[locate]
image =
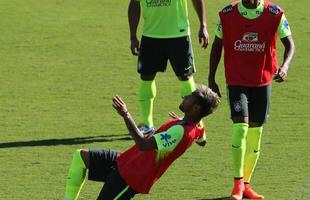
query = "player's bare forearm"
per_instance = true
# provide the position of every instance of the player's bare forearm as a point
(200, 10)
(203, 34)
(215, 57)
(132, 128)
(142, 142)
(134, 12)
(289, 51)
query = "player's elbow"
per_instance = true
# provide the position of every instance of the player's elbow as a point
(142, 147)
(146, 144)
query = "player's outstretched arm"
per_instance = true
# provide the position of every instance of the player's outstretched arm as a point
(289, 52)
(142, 142)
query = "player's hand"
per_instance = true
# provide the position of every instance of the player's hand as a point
(281, 74)
(173, 115)
(215, 88)
(203, 37)
(119, 105)
(135, 46)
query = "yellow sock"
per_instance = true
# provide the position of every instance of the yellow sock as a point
(187, 87)
(253, 141)
(76, 177)
(147, 93)
(238, 148)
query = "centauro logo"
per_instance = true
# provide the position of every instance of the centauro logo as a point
(157, 3)
(249, 43)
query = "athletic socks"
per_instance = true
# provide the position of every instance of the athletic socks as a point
(253, 141)
(187, 87)
(76, 177)
(147, 93)
(238, 147)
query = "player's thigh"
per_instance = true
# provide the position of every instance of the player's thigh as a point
(101, 164)
(238, 101)
(152, 56)
(181, 56)
(259, 101)
(116, 188)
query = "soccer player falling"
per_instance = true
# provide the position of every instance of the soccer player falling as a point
(138, 168)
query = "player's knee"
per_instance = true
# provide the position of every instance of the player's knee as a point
(184, 78)
(147, 77)
(241, 119)
(255, 124)
(85, 156)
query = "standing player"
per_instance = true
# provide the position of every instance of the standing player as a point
(137, 169)
(165, 37)
(248, 31)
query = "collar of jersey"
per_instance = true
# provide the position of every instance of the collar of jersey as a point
(251, 13)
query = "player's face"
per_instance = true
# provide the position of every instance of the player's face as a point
(251, 3)
(188, 102)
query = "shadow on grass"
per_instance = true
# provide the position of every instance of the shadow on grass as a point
(218, 198)
(66, 141)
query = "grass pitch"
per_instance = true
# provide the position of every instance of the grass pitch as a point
(61, 63)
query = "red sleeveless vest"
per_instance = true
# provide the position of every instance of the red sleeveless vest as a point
(140, 170)
(250, 57)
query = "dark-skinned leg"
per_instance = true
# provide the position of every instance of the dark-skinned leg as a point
(258, 112)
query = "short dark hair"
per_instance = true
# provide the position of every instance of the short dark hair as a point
(207, 99)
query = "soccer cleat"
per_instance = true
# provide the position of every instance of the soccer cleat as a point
(237, 192)
(145, 129)
(250, 193)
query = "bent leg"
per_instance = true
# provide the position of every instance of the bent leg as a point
(115, 188)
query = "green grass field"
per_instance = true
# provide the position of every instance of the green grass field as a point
(62, 61)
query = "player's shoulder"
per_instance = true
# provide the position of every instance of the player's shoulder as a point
(274, 8)
(175, 129)
(228, 9)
